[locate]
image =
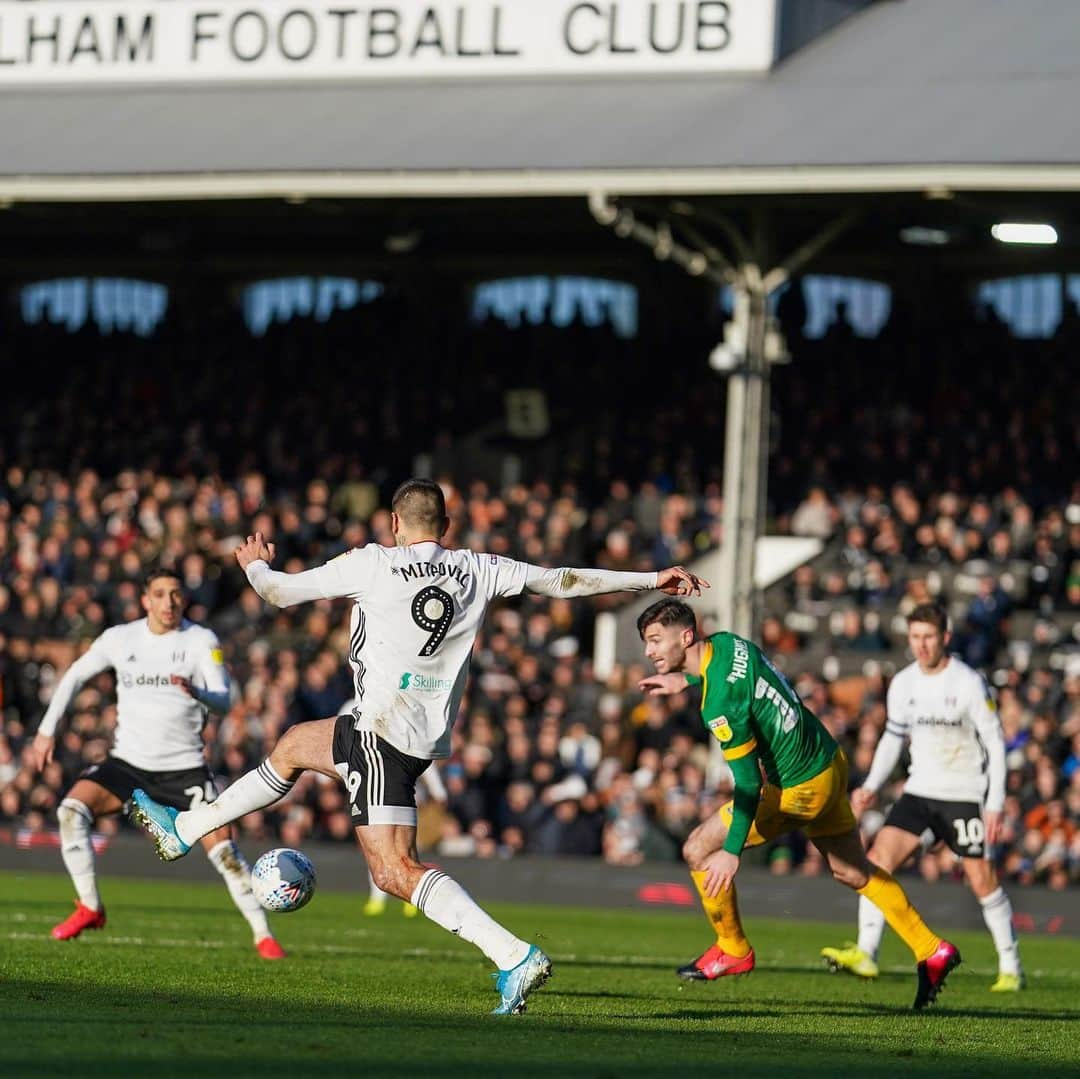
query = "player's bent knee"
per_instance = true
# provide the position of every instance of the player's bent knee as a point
(981, 876)
(289, 753)
(305, 746)
(690, 853)
(697, 846)
(71, 813)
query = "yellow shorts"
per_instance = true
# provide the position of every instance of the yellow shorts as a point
(818, 807)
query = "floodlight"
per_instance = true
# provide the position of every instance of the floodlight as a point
(1024, 232)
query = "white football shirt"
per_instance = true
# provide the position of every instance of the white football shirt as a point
(158, 726)
(418, 610)
(957, 748)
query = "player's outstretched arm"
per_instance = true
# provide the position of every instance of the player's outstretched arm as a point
(286, 589)
(567, 583)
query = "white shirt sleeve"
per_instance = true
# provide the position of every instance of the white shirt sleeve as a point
(988, 724)
(212, 688)
(347, 575)
(507, 577)
(93, 661)
(896, 721)
(885, 757)
(571, 583)
(888, 749)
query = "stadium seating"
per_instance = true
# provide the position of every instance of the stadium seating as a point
(139, 454)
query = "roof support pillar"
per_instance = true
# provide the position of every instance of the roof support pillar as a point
(752, 344)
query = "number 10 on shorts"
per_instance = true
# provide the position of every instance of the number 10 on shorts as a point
(969, 833)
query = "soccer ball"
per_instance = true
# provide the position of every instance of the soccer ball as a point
(283, 879)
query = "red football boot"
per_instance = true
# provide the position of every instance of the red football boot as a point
(269, 948)
(933, 972)
(82, 918)
(716, 963)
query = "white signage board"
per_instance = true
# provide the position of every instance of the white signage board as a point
(65, 42)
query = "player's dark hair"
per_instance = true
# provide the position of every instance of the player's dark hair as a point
(668, 612)
(933, 614)
(420, 504)
(154, 572)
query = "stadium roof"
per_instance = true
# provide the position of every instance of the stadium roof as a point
(904, 95)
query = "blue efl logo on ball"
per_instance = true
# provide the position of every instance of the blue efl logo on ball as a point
(283, 879)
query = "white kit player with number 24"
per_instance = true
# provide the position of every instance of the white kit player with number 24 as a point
(418, 608)
(955, 789)
(169, 673)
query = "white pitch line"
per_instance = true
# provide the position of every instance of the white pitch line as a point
(139, 942)
(446, 954)
(154, 923)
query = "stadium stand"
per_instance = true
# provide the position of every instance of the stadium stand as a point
(942, 469)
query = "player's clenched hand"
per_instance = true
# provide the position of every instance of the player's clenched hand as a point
(992, 826)
(862, 800)
(662, 685)
(254, 549)
(720, 869)
(41, 751)
(182, 682)
(676, 581)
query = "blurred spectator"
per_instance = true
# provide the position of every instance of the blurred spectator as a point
(928, 474)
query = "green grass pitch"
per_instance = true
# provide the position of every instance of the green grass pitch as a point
(172, 987)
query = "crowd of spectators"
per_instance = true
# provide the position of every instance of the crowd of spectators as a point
(129, 464)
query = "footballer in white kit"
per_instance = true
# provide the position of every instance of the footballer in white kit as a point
(954, 793)
(169, 673)
(418, 608)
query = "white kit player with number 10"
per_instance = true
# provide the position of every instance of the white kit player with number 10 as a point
(955, 790)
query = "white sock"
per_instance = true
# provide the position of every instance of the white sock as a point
(254, 790)
(997, 913)
(374, 891)
(77, 850)
(226, 858)
(447, 904)
(871, 927)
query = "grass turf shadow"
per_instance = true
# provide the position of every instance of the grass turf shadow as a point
(111, 1030)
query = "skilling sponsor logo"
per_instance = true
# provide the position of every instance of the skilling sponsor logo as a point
(421, 683)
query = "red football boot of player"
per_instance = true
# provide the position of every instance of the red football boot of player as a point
(716, 963)
(269, 948)
(82, 918)
(933, 972)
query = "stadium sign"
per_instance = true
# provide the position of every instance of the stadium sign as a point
(50, 42)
